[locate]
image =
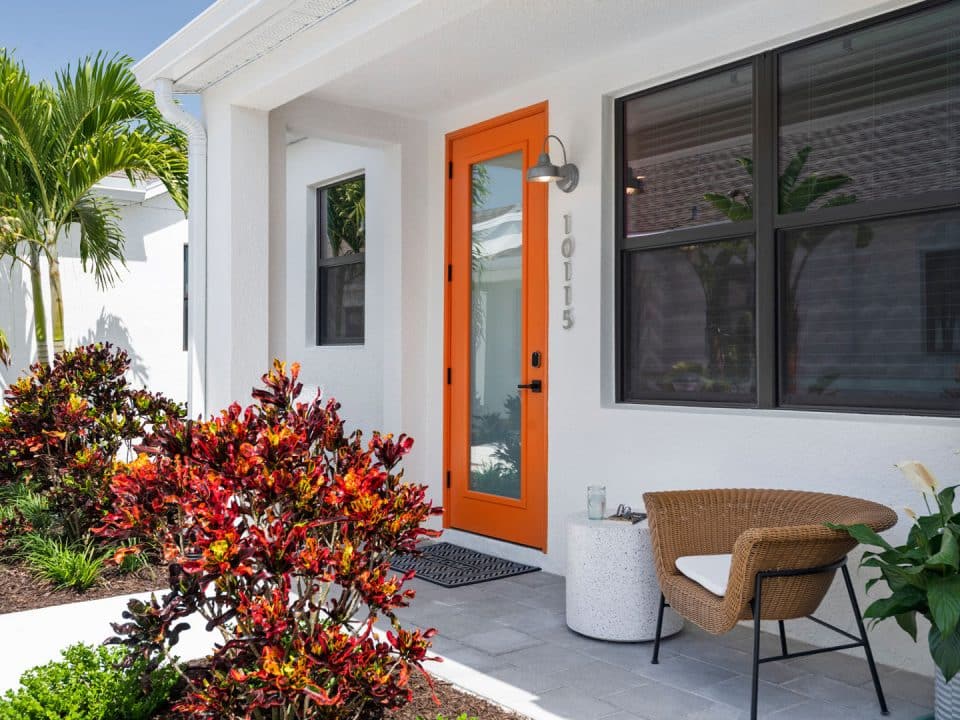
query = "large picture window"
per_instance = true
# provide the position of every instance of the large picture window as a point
(789, 226)
(341, 211)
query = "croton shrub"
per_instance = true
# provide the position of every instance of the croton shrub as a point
(63, 428)
(278, 529)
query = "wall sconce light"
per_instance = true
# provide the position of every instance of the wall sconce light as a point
(567, 175)
(635, 185)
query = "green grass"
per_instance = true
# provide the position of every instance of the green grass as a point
(66, 565)
(33, 507)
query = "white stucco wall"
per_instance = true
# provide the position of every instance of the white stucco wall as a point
(142, 313)
(353, 374)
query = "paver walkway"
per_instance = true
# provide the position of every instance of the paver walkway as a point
(507, 641)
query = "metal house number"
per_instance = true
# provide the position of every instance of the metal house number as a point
(566, 250)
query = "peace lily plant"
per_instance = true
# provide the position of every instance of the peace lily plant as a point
(923, 574)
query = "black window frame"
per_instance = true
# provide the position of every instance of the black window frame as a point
(766, 226)
(339, 261)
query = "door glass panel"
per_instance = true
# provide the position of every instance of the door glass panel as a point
(495, 347)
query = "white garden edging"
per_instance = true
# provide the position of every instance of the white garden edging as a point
(35, 637)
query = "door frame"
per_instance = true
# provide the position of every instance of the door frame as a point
(541, 108)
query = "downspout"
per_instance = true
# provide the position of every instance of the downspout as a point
(197, 237)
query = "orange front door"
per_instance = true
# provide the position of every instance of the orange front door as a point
(496, 322)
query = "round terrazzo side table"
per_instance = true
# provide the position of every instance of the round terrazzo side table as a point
(612, 588)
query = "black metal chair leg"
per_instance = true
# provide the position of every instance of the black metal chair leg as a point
(866, 642)
(755, 684)
(755, 680)
(656, 640)
(783, 638)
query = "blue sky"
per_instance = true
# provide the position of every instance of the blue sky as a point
(48, 34)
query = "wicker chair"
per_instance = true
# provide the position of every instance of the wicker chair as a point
(783, 560)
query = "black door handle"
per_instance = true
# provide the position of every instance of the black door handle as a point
(532, 386)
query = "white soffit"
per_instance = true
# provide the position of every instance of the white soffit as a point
(228, 36)
(299, 16)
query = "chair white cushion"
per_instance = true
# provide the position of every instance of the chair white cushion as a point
(710, 571)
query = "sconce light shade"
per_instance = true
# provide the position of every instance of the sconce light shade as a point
(566, 176)
(544, 170)
(634, 185)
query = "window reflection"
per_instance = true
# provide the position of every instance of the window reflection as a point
(690, 327)
(496, 283)
(872, 324)
(879, 106)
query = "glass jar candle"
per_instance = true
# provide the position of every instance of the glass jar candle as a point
(596, 501)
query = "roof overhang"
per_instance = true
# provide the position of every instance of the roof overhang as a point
(232, 35)
(229, 35)
(118, 188)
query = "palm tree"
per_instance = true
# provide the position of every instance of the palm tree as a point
(56, 142)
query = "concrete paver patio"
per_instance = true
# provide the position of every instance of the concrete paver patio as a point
(507, 640)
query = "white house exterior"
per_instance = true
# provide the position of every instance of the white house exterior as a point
(143, 313)
(300, 94)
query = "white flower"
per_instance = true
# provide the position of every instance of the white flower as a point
(918, 475)
(910, 513)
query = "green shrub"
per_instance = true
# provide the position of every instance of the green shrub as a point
(87, 684)
(66, 425)
(66, 565)
(21, 511)
(32, 507)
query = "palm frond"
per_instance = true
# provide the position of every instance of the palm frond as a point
(810, 189)
(136, 153)
(792, 171)
(100, 93)
(101, 98)
(732, 208)
(101, 238)
(25, 111)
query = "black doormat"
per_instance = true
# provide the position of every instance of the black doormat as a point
(450, 565)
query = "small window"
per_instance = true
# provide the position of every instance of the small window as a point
(341, 213)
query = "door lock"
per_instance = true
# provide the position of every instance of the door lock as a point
(532, 386)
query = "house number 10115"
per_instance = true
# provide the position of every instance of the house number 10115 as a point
(566, 250)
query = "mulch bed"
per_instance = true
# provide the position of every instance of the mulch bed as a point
(453, 701)
(20, 589)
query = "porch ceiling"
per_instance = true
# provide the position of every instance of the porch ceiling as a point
(501, 42)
